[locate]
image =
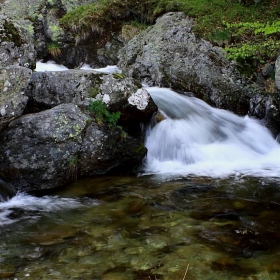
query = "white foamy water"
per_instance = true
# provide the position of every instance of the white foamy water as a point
(52, 66)
(49, 66)
(108, 69)
(200, 140)
(27, 203)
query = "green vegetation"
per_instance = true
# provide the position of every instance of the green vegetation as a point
(118, 76)
(247, 29)
(93, 19)
(54, 50)
(101, 113)
(253, 40)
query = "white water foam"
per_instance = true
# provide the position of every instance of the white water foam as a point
(25, 202)
(196, 139)
(49, 66)
(52, 66)
(108, 69)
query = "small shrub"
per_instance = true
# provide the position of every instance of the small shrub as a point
(101, 113)
(54, 50)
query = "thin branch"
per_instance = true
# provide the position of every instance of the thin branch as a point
(186, 272)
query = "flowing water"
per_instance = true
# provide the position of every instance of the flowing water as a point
(205, 206)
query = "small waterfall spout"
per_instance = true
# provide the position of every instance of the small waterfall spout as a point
(198, 139)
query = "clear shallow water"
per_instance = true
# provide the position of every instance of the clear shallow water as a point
(145, 228)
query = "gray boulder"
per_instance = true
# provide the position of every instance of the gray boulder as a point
(51, 148)
(267, 108)
(7, 191)
(13, 82)
(169, 54)
(37, 149)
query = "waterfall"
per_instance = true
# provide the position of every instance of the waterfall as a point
(195, 138)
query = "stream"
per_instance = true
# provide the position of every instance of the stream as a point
(205, 205)
(145, 227)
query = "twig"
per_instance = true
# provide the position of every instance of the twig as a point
(186, 272)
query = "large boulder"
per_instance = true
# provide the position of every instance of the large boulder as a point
(51, 148)
(169, 54)
(13, 82)
(37, 149)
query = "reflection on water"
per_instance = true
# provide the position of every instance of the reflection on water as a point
(146, 228)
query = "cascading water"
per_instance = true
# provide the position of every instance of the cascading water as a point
(200, 140)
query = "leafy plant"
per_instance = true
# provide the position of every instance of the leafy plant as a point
(101, 113)
(254, 40)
